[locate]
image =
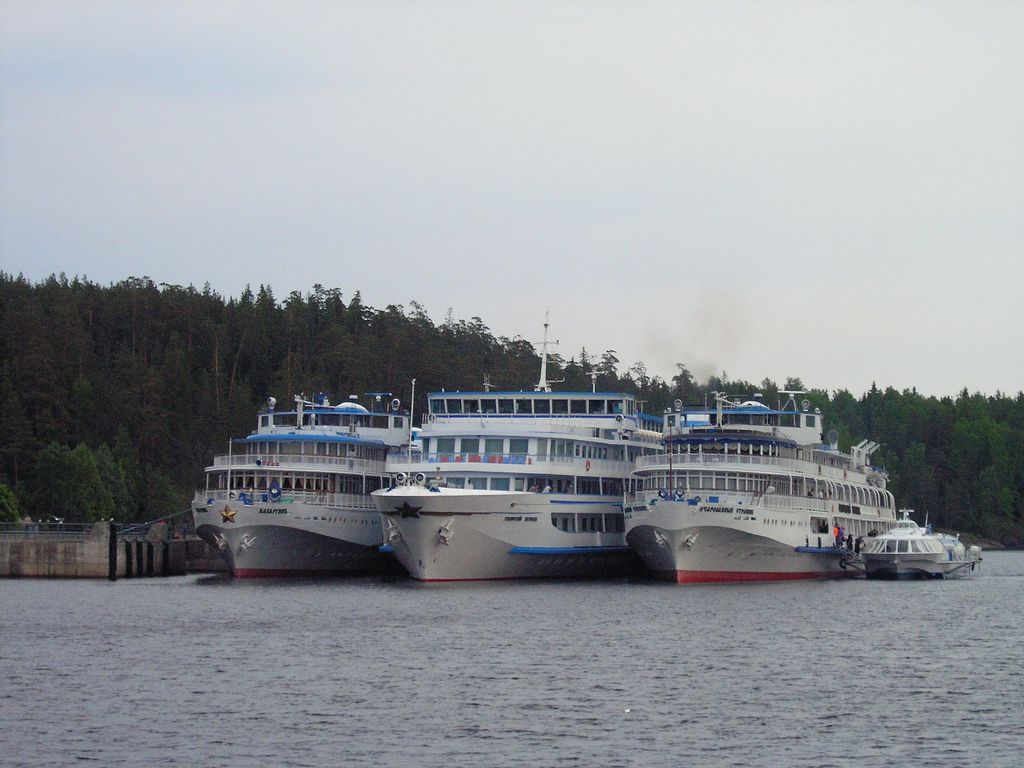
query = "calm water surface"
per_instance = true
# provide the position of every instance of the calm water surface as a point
(205, 671)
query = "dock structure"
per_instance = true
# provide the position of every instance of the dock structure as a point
(101, 550)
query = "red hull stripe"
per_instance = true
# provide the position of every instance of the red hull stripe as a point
(261, 573)
(721, 577)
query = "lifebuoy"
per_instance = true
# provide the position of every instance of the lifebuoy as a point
(679, 495)
(431, 418)
(662, 494)
(274, 491)
(587, 465)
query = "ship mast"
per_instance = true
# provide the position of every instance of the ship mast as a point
(544, 385)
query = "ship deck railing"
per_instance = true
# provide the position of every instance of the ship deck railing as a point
(596, 466)
(775, 501)
(261, 497)
(710, 460)
(300, 461)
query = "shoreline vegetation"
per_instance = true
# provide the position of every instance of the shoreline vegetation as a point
(114, 398)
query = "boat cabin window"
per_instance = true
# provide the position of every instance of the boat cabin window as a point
(471, 406)
(518, 446)
(470, 445)
(437, 405)
(494, 445)
(542, 406)
(446, 445)
(454, 406)
(559, 406)
(578, 406)
(478, 483)
(819, 525)
(890, 546)
(810, 420)
(499, 483)
(524, 405)
(597, 406)
(614, 406)
(488, 405)
(505, 405)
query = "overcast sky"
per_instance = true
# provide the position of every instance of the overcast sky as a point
(819, 189)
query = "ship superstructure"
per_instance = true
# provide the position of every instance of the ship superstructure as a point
(746, 492)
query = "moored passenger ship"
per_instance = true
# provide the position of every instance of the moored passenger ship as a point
(744, 492)
(295, 497)
(513, 485)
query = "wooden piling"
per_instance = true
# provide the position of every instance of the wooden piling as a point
(112, 552)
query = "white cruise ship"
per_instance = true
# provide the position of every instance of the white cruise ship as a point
(744, 492)
(513, 485)
(293, 498)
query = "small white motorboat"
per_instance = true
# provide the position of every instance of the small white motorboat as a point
(908, 551)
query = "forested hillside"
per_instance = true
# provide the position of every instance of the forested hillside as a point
(114, 398)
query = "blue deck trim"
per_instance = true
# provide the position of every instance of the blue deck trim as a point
(823, 550)
(566, 550)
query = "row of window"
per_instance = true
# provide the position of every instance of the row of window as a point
(904, 546)
(589, 486)
(375, 420)
(569, 522)
(515, 446)
(530, 405)
(267, 449)
(783, 485)
(313, 482)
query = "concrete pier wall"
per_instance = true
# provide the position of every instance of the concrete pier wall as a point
(72, 555)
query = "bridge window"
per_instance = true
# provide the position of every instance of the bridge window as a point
(471, 406)
(436, 405)
(559, 406)
(488, 406)
(454, 406)
(505, 405)
(524, 405)
(542, 406)
(578, 406)
(597, 406)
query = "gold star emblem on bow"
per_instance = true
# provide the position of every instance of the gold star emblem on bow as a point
(227, 515)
